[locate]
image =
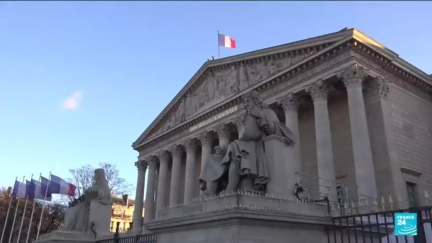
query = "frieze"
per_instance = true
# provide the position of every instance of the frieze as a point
(214, 118)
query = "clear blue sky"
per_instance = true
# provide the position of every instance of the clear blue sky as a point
(122, 62)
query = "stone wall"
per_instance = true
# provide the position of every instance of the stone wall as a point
(412, 126)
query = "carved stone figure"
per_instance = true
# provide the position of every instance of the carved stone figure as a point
(221, 84)
(78, 216)
(180, 112)
(243, 77)
(244, 161)
(232, 83)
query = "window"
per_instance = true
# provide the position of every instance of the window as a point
(411, 191)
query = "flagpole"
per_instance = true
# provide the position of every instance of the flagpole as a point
(24, 212)
(43, 206)
(31, 217)
(7, 214)
(218, 45)
(13, 222)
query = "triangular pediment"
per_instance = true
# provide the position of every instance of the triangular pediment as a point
(218, 80)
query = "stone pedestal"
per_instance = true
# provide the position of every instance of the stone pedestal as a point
(282, 166)
(243, 217)
(67, 236)
(101, 216)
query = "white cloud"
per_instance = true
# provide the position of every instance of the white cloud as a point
(73, 101)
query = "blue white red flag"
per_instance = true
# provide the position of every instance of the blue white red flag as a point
(20, 190)
(60, 186)
(226, 41)
(35, 190)
(45, 188)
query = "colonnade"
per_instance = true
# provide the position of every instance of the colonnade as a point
(352, 77)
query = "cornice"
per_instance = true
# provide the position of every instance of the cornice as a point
(357, 41)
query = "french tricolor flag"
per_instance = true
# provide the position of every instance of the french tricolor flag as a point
(60, 186)
(226, 41)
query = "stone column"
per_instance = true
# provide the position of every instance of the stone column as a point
(290, 105)
(164, 157)
(325, 159)
(176, 152)
(190, 182)
(139, 195)
(353, 78)
(224, 134)
(149, 213)
(206, 139)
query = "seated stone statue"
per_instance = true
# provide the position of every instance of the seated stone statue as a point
(77, 218)
(243, 162)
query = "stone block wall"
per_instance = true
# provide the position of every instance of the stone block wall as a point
(412, 126)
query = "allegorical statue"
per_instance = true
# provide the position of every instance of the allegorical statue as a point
(243, 162)
(77, 218)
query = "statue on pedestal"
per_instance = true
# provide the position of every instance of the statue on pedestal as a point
(78, 216)
(243, 163)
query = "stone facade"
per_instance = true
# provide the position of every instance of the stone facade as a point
(361, 115)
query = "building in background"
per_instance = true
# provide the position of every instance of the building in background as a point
(122, 212)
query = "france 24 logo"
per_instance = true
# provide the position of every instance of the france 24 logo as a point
(405, 223)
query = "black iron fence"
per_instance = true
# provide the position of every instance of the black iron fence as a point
(148, 238)
(379, 227)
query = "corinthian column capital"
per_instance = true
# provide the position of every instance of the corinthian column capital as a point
(289, 102)
(141, 164)
(382, 86)
(164, 156)
(152, 161)
(319, 90)
(176, 150)
(190, 144)
(224, 130)
(353, 76)
(205, 138)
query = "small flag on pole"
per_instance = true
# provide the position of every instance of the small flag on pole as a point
(226, 41)
(20, 190)
(60, 186)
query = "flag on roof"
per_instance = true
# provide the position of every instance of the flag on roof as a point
(45, 188)
(20, 189)
(60, 186)
(226, 41)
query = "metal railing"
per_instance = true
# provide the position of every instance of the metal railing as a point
(148, 238)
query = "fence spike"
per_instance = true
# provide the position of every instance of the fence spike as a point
(399, 202)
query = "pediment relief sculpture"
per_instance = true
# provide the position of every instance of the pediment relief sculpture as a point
(222, 84)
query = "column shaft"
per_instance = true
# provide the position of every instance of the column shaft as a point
(224, 134)
(325, 159)
(190, 170)
(353, 77)
(139, 196)
(290, 105)
(150, 200)
(164, 157)
(176, 152)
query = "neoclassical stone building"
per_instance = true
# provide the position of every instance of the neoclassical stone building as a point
(362, 117)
